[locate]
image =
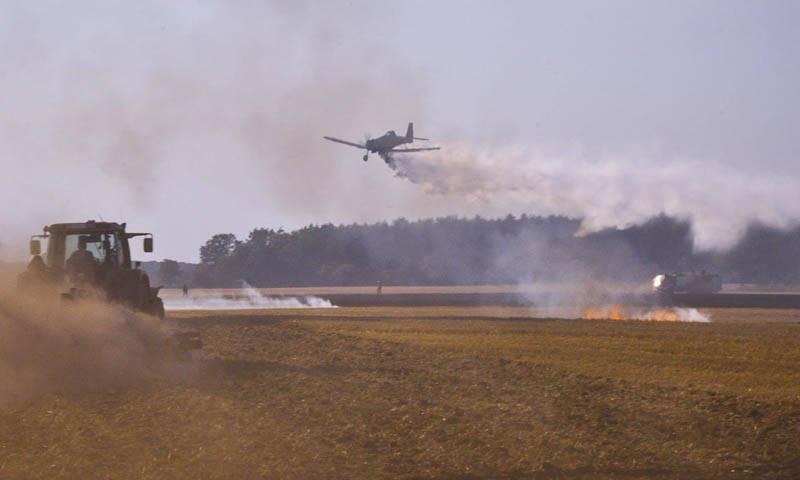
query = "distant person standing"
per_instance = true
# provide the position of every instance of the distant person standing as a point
(380, 287)
(185, 290)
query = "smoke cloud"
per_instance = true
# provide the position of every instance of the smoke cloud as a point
(613, 191)
(146, 114)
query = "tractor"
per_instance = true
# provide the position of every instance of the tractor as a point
(93, 259)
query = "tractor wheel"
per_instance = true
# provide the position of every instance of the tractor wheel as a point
(158, 308)
(141, 291)
(128, 288)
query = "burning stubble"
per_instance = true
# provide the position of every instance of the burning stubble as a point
(621, 312)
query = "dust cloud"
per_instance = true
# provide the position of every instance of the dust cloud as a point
(48, 346)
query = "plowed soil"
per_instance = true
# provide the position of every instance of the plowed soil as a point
(435, 393)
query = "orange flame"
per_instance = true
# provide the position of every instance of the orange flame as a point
(661, 315)
(614, 312)
(619, 312)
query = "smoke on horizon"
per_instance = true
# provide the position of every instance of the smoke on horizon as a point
(615, 191)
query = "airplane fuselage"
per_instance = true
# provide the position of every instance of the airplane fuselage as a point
(385, 142)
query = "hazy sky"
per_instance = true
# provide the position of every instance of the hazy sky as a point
(200, 117)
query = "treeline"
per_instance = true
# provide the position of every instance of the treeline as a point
(452, 251)
(170, 273)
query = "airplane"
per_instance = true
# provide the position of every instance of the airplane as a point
(385, 145)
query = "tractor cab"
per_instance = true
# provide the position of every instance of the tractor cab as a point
(91, 258)
(84, 252)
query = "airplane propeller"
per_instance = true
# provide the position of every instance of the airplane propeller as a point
(367, 138)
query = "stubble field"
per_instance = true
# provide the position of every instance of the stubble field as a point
(453, 393)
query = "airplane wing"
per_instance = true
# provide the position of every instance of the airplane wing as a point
(357, 145)
(409, 150)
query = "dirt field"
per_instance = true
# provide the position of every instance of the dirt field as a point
(452, 393)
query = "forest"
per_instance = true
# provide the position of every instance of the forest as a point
(460, 251)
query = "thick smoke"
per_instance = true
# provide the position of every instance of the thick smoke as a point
(145, 113)
(613, 191)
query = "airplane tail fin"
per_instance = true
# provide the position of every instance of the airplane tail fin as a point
(410, 133)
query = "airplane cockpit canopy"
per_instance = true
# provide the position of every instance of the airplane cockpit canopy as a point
(391, 132)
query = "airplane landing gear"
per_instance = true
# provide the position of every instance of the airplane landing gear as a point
(365, 157)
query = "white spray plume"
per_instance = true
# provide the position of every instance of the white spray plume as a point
(681, 315)
(250, 299)
(612, 191)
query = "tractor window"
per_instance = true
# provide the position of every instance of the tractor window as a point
(103, 247)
